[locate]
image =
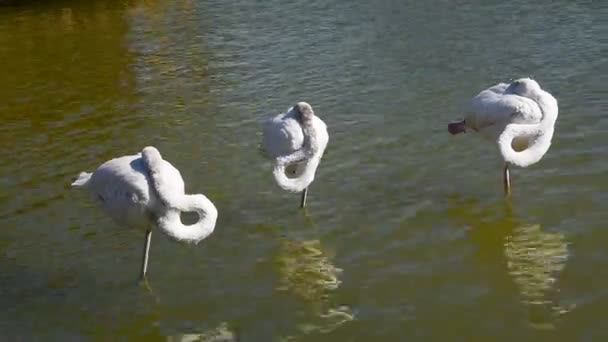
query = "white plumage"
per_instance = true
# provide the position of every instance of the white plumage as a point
(295, 141)
(142, 191)
(519, 116)
(493, 109)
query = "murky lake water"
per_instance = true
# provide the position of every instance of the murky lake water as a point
(407, 235)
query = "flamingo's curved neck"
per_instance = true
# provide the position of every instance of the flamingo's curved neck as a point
(310, 153)
(170, 221)
(548, 106)
(173, 203)
(539, 135)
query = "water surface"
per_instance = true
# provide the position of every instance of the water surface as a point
(406, 235)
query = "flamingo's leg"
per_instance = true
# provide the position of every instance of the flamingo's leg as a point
(507, 180)
(146, 256)
(303, 200)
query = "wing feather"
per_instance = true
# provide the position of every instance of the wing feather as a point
(495, 107)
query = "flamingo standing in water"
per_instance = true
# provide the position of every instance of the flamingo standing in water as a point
(143, 191)
(519, 116)
(295, 141)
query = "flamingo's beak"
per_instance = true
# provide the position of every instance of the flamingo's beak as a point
(456, 127)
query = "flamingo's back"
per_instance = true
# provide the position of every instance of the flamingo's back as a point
(494, 108)
(122, 189)
(282, 135)
(128, 188)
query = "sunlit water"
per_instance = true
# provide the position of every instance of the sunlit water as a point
(406, 236)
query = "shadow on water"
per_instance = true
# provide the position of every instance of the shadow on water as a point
(29, 3)
(65, 102)
(68, 101)
(532, 257)
(95, 306)
(59, 98)
(98, 308)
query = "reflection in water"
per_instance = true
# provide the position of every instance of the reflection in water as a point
(221, 333)
(307, 272)
(534, 258)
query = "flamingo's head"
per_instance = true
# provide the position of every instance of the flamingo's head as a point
(304, 111)
(457, 127)
(524, 87)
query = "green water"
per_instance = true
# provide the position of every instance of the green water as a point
(406, 236)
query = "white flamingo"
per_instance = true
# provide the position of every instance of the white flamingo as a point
(143, 191)
(296, 141)
(519, 116)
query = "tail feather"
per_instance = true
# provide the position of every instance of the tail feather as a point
(83, 179)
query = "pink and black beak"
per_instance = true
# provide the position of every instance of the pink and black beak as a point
(457, 127)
